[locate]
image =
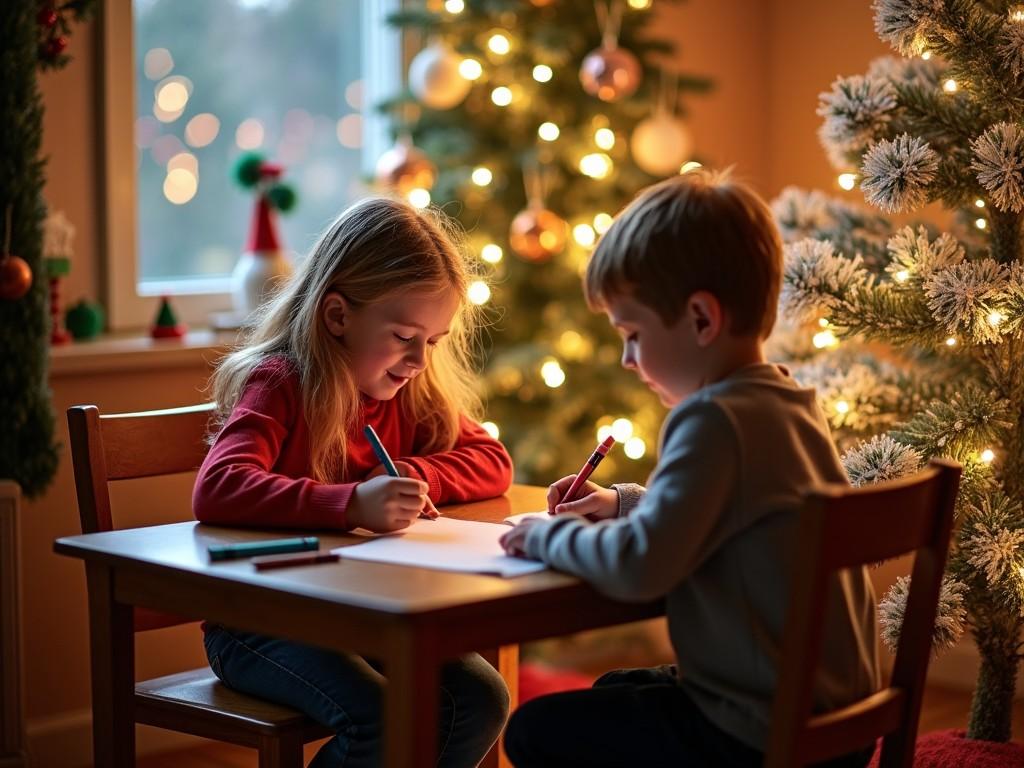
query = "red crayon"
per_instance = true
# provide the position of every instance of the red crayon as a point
(287, 561)
(591, 464)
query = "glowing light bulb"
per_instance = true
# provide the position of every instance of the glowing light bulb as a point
(995, 317)
(603, 433)
(842, 406)
(979, 203)
(926, 55)
(823, 322)
(502, 96)
(690, 165)
(491, 253)
(478, 292)
(552, 374)
(499, 44)
(596, 165)
(491, 429)
(548, 131)
(482, 176)
(951, 341)
(584, 235)
(824, 339)
(622, 430)
(1016, 13)
(847, 180)
(542, 73)
(640, 5)
(988, 455)
(949, 86)
(454, 6)
(980, 223)
(470, 69)
(604, 138)
(601, 223)
(635, 448)
(902, 276)
(418, 197)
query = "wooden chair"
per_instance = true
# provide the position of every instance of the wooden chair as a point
(843, 527)
(123, 446)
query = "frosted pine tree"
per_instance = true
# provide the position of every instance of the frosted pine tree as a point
(932, 322)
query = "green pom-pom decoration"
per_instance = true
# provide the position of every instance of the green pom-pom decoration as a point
(247, 169)
(84, 320)
(282, 197)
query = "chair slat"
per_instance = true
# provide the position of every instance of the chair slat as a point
(132, 452)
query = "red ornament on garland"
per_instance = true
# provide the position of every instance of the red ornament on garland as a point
(56, 45)
(15, 277)
(537, 234)
(47, 16)
(610, 72)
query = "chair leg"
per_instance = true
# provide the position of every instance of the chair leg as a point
(281, 751)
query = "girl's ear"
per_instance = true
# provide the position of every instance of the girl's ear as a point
(334, 310)
(707, 316)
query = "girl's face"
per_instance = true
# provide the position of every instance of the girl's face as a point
(389, 341)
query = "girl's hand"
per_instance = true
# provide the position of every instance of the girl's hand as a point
(592, 500)
(514, 540)
(384, 504)
(405, 469)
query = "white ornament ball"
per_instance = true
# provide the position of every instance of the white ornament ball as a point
(434, 77)
(661, 144)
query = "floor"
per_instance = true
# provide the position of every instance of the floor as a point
(942, 709)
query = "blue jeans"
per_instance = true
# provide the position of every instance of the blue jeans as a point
(343, 692)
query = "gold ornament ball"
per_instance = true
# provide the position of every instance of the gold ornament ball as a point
(610, 73)
(405, 168)
(15, 277)
(541, 3)
(537, 234)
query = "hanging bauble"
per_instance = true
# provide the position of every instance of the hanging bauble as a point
(47, 17)
(15, 277)
(537, 234)
(404, 168)
(610, 73)
(84, 320)
(661, 144)
(434, 77)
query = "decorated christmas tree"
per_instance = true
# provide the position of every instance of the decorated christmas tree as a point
(533, 123)
(931, 323)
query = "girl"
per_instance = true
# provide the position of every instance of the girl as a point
(372, 329)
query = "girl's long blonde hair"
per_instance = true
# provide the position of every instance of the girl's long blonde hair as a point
(376, 248)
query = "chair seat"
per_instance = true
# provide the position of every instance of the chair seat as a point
(197, 702)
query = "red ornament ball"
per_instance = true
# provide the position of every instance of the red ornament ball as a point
(610, 73)
(537, 234)
(404, 168)
(47, 16)
(15, 277)
(55, 46)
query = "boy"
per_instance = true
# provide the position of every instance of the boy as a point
(689, 275)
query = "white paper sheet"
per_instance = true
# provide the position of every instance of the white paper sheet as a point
(516, 519)
(444, 544)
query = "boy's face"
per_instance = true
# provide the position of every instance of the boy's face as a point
(670, 359)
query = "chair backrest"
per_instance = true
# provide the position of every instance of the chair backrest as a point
(124, 446)
(844, 527)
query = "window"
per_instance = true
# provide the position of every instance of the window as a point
(295, 80)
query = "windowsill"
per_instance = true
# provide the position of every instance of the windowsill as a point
(137, 352)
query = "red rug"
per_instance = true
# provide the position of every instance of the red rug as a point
(950, 749)
(537, 679)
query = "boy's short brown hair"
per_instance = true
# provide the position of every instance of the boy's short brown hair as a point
(699, 231)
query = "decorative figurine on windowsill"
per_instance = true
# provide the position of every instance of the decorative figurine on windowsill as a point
(166, 325)
(264, 263)
(58, 233)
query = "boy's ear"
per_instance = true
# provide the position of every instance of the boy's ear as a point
(334, 310)
(708, 318)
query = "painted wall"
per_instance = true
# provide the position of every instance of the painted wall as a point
(769, 60)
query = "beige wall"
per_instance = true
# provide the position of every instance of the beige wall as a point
(769, 59)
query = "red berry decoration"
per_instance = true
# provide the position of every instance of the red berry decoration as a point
(47, 16)
(15, 277)
(56, 45)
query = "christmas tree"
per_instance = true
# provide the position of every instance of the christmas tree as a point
(932, 321)
(533, 123)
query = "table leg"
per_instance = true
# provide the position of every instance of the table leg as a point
(113, 672)
(411, 699)
(506, 660)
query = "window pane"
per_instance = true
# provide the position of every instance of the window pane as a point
(214, 78)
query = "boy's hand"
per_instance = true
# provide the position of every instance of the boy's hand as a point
(384, 504)
(405, 469)
(592, 501)
(514, 540)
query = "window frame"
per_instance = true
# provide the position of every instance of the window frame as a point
(129, 304)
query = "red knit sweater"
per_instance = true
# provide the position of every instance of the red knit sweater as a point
(258, 471)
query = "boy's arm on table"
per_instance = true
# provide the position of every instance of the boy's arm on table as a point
(478, 467)
(236, 486)
(650, 549)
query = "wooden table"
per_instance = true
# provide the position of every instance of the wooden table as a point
(411, 619)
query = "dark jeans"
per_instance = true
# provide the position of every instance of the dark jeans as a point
(343, 692)
(630, 718)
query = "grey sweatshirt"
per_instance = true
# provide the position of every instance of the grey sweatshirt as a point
(715, 532)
